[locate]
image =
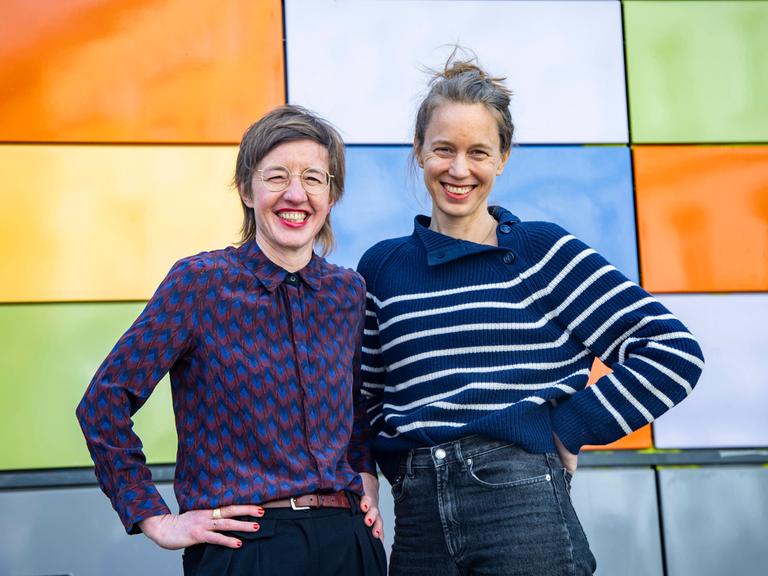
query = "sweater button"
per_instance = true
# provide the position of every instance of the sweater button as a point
(505, 228)
(509, 257)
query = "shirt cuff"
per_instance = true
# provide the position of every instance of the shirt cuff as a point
(137, 502)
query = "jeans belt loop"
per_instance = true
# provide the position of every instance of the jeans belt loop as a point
(409, 463)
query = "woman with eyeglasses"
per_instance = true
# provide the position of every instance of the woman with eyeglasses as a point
(480, 333)
(274, 474)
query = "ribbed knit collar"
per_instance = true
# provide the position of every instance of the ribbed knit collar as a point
(441, 248)
(270, 274)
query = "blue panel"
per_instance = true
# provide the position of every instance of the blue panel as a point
(715, 520)
(587, 190)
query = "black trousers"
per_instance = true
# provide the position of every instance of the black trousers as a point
(324, 542)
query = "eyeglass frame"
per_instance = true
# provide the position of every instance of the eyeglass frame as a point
(290, 178)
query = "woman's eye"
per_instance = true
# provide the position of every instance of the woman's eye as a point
(479, 154)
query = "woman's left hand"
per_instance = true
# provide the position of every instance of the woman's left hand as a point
(369, 504)
(570, 460)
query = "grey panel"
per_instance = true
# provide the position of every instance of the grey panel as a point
(618, 510)
(715, 520)
(75, 531)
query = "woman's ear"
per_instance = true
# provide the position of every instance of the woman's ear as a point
(504, 158)
(244, 196)
(417, 153)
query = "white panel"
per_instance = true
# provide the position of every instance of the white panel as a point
(727, 408)
(361, 63)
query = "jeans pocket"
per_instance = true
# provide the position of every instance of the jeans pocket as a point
(507, 468)
(399, 488)
(568, 479)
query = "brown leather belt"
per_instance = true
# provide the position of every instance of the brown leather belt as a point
(330, 500)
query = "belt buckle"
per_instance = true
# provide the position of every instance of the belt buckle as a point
(295, 507)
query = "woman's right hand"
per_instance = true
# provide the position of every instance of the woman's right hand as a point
(174, 531)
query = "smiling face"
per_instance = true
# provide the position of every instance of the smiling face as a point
(461, 158)
(288, 222)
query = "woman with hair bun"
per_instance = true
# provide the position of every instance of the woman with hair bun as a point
(480, 333)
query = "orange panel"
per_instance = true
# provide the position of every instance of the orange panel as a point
(638, 440)
(702, 217)
(138, 70)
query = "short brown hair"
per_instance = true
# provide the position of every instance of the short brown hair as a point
(288, 123)
(463, 81)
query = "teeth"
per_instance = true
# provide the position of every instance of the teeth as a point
(293, 216)
(457, 189)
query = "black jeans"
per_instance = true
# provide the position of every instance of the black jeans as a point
(481, 507)
(324, 542)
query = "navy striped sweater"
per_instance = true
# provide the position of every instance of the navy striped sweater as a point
(463, 338)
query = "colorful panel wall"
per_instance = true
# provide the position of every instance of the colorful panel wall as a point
(640, 127)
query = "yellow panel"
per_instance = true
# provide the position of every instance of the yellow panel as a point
(107, 222)
(138, 70)
(702, 215)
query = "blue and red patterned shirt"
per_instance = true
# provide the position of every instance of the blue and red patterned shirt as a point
(265, 379)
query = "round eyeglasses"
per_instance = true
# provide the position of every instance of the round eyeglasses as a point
(278, 178)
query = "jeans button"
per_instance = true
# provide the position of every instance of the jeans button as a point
(439, 453)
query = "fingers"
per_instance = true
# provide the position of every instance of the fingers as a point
(229, 525)
(221, 540)
(378, 528)
(241, 510)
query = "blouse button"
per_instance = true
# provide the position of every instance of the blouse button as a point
(505, 229)
(509, 257)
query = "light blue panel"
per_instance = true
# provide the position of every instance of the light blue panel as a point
(728, 406)
(715, 520)
(381, 198)
(587, 190)
(361, 63)
(75, 531)
(618, 510)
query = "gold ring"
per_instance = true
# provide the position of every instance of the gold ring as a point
(216, 513)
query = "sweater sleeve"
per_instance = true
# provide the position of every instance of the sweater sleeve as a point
(373, 368)
(359, 452)
(656, 361)
(122, 384)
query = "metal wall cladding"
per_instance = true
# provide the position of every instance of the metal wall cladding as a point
(702, 217)
(50, 352)
(727, 407)
(146, 71)
(696, 70)
(714, 519)
(90, 223)
(75, 531)
(563, 60)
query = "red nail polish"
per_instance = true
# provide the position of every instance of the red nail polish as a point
(370, 521)
(255, 526)
(239, 543)
(260, 512)
(365, 507)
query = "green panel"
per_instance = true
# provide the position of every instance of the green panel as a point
(697, 71)
(48, 355)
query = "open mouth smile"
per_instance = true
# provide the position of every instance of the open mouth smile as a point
(457, 191)
(292, 217)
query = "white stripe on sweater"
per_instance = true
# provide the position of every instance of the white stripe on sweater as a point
(615, 316)
(487, 369)
(631, 399)
(658, 338)
(464, 328)
(607, 405)
(497, 285)
(650, 387)
(666, 371)
(495, 349)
